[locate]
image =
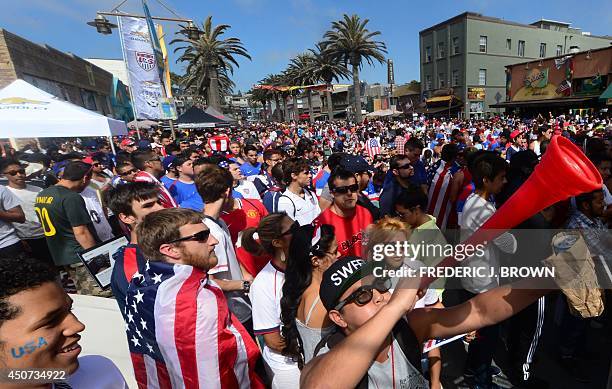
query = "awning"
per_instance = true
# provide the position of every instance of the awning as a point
(438, 99)
(607, 94)
(556, 102)
(433, 110)
(29, 112)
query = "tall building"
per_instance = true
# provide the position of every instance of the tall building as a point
(469, 53)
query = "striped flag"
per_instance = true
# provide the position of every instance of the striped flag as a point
(219, 143)
(435, 343)
(181, 333)
(439, 192)
(372, 147)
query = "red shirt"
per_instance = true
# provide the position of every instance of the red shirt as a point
(248, 215)
(349, 231)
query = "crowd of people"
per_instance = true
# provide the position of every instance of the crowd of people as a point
(252, 251)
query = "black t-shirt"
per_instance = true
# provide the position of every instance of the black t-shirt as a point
(59, 209)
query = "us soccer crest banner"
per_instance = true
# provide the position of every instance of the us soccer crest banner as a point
(141, 65)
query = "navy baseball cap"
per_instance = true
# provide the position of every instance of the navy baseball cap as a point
(355, 164)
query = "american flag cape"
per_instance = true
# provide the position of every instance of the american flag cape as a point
(166, 198)
(181, 333)
(372, 147)
(438, 204)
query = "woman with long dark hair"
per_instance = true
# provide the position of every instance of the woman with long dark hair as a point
(304, 319)
(272, 236)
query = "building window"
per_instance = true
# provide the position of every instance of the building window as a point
(427, 54)
(542, 50)
(428, 82)
(441, 83)
(440, 49)
(559, 50)
(521, 48)
(455, 77)
(455, 45)
(508, 44)
(483, 44)
(482, 77)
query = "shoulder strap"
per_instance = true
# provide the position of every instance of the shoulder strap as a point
(312, 307)
(408, 342)
(292, 203)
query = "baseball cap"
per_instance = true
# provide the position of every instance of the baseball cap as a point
(144, 144)
(127, 142)
(168, 162)
(515, 133)
(355, 164)
(340, 276)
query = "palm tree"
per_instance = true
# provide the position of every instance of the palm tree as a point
(275, 80)
(325, 67)
(350, 41)
(299, 72)
(210, 60)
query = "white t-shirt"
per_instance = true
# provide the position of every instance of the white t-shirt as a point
(103, 229)
(303, 210)
(248, 190)
(228, 268)
(96, 372)
(27, 197)
(8, 201)
(266, 292)
(476, 212)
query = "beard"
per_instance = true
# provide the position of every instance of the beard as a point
(199, 260)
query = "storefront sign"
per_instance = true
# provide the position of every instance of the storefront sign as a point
(476, 106)
(476, 93)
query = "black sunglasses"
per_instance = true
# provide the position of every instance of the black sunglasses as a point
(15, 172)
(364, 294)
(406, 166)
(294, 227)
(128, 172)
(201, 236)
(345, 189)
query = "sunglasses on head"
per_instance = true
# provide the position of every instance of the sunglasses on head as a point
(345, 189)
(364, 294)
(201, 236)
(294, 227)
(15, 172)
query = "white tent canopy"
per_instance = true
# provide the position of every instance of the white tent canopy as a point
(28, 112)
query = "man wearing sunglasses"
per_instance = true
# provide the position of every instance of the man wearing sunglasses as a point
(349, 219)
(151, 169)
(401, 171)
(29, 230)
(380, 337)
(180, 331)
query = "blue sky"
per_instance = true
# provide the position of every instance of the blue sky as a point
(273, 31)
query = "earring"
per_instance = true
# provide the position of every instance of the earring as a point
(283, 258)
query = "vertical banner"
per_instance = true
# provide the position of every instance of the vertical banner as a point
(142, 67)
(166, 76)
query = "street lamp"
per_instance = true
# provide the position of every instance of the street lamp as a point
(102, 25)
(191, 31)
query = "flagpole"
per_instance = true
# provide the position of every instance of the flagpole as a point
(125, 63)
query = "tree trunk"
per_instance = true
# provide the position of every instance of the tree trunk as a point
(356, 92)
(285, 108)
(213, 90)
(310, 108)
(279, 115)
(296, 110)
(330, 104)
